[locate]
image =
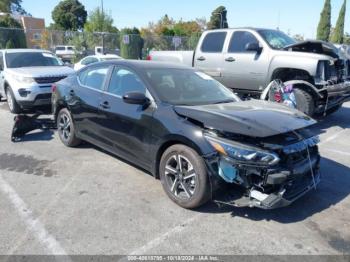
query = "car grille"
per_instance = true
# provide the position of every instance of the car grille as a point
(48, 80)
(43, 96)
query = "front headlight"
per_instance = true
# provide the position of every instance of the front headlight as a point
(242, 153)
(23, 79)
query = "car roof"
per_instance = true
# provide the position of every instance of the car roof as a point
(242, 28)
(22, 50)
(143, 64)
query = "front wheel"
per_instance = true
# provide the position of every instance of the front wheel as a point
(304, 101)
(184, 177)
(66, 129)
(11, 102)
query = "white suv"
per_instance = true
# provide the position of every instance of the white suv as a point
(66, 52)
(26, 77)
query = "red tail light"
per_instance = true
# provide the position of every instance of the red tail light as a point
(53, 88)
(149, 58)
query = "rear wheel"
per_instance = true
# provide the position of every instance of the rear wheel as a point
(11, 102)
(184, 176)
(304, 101)
(66, 129)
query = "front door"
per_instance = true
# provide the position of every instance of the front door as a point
(127, 128)
(245, 69)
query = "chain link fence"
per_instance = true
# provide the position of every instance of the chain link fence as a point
(85, 43)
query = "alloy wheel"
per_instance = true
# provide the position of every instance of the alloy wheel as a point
(64, 127)
(9, 99)
(180, 177)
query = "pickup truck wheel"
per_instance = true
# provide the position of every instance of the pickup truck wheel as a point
(66, 129)
(304, 101)
(184, 177)
(11, 102)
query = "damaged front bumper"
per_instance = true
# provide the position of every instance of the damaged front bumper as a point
(285, 197)
(264, 187)
(337, 94)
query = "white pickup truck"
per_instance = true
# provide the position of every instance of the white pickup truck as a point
(247, 60)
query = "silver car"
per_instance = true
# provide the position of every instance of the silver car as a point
(26, 77)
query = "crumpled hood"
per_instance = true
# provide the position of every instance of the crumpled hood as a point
(254, 118)
(42, 71)
(314, 46)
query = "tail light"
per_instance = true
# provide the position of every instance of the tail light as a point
(149, 58)
(53, 88)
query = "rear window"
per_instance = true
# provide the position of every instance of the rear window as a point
(94, 77)
(60, 48)
(214, 42)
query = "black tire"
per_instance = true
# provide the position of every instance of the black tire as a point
(11, 102)
(191, 192)
(66, 129)
(305, 101)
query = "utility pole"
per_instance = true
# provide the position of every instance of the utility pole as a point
(102, 27)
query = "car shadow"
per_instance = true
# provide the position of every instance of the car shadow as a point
(339, 119)
(334, 187)
(39, 135)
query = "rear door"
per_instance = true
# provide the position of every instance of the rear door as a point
(84, 101)
(125, 127)
(209, 55)
(244, 69)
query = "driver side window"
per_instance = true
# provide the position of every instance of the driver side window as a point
(124, 81)
(239, 41)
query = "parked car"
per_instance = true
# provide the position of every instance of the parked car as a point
(65, 52)
(248, 59)
(94, 59)
(190, 131)
(26, 76)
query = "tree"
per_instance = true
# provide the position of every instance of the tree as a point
(324, 26)
(12, 6)
(218, 18)
(11, 33)
(338, 35)
(99, 21)
(133, 48)
(69, 15)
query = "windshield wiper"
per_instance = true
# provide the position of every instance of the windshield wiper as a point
(224, 102)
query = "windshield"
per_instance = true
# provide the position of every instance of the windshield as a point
(188, 87)
(276, 39)
(21, 59)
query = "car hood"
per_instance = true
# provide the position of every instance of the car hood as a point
(42, 71)
(314, 46)
(252, 118)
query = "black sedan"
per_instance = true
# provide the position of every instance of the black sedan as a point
(187, 129)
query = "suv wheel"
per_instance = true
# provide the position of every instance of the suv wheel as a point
(11, 102)
(184, 177)
(305, 101)
(66, 129)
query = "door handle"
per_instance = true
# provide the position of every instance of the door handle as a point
(105, 105)
(230, 59)
(202, 58)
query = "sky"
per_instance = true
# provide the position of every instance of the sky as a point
(294, 17)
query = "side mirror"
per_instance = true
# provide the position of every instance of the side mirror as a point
(254, 47)
(136, 98)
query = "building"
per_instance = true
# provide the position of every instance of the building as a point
(34, 29)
